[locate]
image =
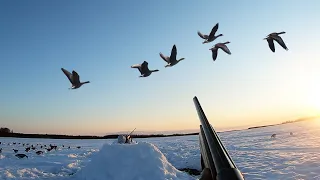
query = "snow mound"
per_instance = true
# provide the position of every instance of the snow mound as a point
(138, 161)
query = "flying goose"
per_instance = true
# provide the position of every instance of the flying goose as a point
(143, 68)
(222, 46)
(275, 37)
(74, 79)
(172, 60)
(211, 37)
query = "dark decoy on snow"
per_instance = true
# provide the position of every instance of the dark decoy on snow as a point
(39, 152)
(74, 79)
(172, 60)
(21, 156)
(143, 69)
(275, 37)
(211, 37)
(222, 46)
(15, 150)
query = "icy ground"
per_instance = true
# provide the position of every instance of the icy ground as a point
(257, 155)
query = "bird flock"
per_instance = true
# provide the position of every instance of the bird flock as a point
(38, 149)
(172, 60)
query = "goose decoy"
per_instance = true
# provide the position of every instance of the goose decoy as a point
(275, 37)
(0, 150)
(27, 149)
(20, 156)
(222, 46)
(74, 78)
(211, 37)
(15, 150)
(172, 60)
(143, 68)
(39, 152)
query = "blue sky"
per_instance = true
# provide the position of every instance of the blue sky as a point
(102, 39)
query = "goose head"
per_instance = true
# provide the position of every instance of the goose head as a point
(226, 42)
(181, 59)
(156, 70)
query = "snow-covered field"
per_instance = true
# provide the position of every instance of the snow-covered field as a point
(257, 155)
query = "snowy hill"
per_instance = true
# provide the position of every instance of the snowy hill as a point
(139, 161)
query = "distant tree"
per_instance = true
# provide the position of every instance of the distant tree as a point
(4, 130)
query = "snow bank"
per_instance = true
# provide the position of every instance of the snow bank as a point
(139, 161)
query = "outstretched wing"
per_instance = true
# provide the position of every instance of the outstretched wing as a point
(173, 56)
(213, 31)
(271, 44)
(165, 58)
(224, 48)
(280, 41)
(138, 66)
(68, 74)
(214, 53)
(76, 78)
(203, 36)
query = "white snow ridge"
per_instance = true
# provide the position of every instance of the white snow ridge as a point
(140, 161)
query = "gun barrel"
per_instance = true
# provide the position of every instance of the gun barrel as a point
(132, 131)
(224, 167)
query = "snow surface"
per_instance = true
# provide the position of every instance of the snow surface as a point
(132, 162)
(256, 154)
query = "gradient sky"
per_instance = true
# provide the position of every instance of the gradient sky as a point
(102, 39)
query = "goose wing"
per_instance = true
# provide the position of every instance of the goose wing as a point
(76, 77)
(173, 56)
(68, 74)
(203, 36)
(165, 58)
(224, 48)
(214, 53)
(271, 44)
(138, 66)
(280, 41)
(213, 31)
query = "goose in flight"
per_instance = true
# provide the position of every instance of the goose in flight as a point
(222, 46)
(143, 69)
(172, 60)
(74, 79)
(275, 37)
(211, 37)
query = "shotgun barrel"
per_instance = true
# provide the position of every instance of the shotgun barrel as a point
(214, 155)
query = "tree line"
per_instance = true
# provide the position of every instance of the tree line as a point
(6, 132)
